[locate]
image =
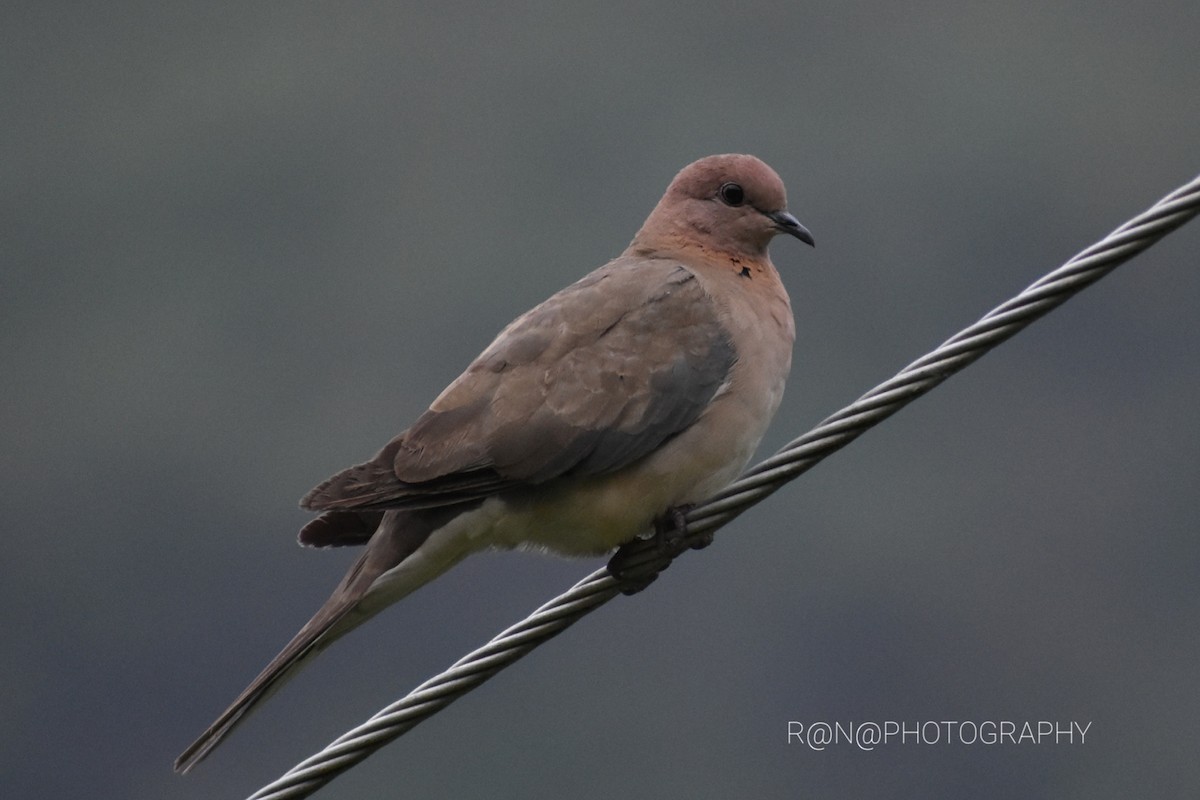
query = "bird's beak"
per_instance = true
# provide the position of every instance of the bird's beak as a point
(786, 223)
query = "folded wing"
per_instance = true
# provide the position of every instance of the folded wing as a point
(584, 384)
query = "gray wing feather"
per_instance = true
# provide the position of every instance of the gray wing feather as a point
(595, 378)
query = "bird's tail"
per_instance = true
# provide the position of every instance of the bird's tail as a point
(317, 634)
(394, 544)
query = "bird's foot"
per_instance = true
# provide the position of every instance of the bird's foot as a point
(638, 563)
(671, 532)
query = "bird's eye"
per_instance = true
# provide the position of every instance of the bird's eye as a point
(732, 194)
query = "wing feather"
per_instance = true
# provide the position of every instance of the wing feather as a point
(595, 378)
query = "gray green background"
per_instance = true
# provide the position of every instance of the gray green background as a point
(242, 245)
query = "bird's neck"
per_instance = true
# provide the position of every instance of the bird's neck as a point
(691, 249)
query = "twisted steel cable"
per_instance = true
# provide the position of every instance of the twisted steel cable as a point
(795, 458)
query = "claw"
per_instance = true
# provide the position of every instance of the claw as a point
(670, 530)
(670, 533)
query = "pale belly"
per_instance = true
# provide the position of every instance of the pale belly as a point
(594, 515)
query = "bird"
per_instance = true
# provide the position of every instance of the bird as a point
(592, 419)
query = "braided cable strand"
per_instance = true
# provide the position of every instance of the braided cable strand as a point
(755, 485)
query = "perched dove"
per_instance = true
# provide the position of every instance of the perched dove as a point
(639, 390)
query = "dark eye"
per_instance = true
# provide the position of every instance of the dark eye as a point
(732, 194)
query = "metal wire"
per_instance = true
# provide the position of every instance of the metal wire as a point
(756, 484)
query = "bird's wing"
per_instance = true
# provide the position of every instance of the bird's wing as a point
(590, 381)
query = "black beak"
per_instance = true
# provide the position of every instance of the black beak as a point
(786, 223)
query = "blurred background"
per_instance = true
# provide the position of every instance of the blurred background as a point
(244, 245)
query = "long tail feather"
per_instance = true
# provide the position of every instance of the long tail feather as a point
(400, 535)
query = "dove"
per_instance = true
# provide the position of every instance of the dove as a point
(589, 421)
